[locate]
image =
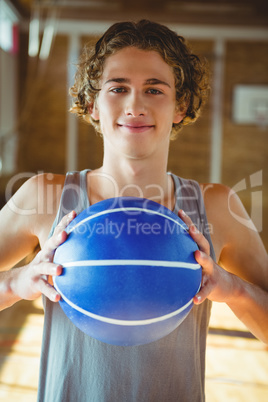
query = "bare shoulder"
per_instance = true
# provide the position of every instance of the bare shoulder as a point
(238, 245)
(218, 199)
(31, 194)
(37, 195)
(28, 215)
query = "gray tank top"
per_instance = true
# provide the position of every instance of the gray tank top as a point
(77, 368)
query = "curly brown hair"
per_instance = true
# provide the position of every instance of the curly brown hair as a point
(191, 73)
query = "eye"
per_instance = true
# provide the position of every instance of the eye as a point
(118, 90)
(154, 91)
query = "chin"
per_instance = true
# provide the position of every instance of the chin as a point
(139, 155)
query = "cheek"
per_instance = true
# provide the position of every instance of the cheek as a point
(106, 119)
(166, 113)
(165, 120)
(107, 106)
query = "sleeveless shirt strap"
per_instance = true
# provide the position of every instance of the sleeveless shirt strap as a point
(189, 198)
(84, 189)
(74, 196)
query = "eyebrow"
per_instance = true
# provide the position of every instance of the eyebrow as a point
(150, 81)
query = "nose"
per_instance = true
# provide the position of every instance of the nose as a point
(135, 105)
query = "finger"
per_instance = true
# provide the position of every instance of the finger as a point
(188, 221)
(62, 225)
(59, 236)
(49, 291)
(48, 250)
(205, 261)
(43, 273)
(47, 269)
(54, 242)
(206, 285)
(197, 236)
(185, 218)
(203, 294)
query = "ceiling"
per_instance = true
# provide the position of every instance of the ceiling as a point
(253, 13)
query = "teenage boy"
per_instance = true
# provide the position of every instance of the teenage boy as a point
(138, 86)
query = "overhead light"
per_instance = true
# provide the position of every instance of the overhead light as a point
(34, 36)
(48, 35)
(46, 42)
(8, 27)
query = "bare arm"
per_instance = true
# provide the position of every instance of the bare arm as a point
(240, 278)
(23, 227)
(248, 301)
(30, 281)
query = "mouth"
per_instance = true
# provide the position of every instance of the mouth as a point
(135, 128)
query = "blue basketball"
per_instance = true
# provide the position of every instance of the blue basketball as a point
(129, 272)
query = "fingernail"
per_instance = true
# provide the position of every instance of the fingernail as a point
(56, 270)
(198, 299)
(194, 229)
(57, 297)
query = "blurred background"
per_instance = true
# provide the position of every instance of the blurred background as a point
(40, 41)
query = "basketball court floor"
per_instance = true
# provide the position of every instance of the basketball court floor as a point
(237, 364)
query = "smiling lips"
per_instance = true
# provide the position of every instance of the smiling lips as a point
(136, 127)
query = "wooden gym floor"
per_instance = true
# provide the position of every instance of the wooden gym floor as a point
(237, 365)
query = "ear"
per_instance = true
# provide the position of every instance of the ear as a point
(179, 114)
(93, 111)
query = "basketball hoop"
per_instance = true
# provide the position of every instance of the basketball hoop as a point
(250, 105)
(261, 113)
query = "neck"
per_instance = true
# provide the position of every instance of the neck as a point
(133, 178)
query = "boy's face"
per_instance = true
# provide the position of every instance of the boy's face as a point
(136, 105)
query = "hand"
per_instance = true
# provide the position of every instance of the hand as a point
(217, 284)
(32, 280)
